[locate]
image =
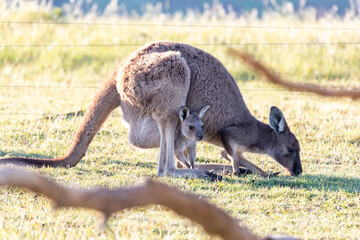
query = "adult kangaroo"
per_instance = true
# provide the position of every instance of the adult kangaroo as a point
(153, 84)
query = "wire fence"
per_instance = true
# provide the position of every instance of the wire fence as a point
(58, 87)
(94, 87)
(48, 86)
(196, 44)
(75, 114)
(182, 25)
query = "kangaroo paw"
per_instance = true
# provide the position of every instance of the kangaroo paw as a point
(214, 177)
(194, 173)
(160, 174)
(243, 171)
(272, 174)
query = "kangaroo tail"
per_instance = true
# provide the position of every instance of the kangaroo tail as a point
(105, 101)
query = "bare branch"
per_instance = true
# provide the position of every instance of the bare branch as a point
(212, 219)
(273, 77)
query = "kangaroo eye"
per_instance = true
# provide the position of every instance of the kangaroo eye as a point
(202, 126)
(290, 150)
(191, 127)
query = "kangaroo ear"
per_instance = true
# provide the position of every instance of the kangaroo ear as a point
(203, 111)
(276, 120)
(184, 113)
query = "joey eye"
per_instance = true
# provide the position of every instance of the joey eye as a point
(290, 150)
(191, 127)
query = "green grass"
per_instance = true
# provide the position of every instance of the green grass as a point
(323, 203)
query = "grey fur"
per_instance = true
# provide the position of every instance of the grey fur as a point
(190, 132)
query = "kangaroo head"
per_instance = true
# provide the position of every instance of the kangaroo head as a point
(191, 124)
(286, 148)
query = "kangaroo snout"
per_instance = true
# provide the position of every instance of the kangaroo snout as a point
(296, 172)
(296, 169)
(199, 138)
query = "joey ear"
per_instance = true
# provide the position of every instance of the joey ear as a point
(203, 111)
(184, 113)
(276, 120)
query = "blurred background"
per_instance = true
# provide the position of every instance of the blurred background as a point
(140, 7)
(181, 7)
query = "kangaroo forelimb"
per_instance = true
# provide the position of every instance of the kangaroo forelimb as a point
(219, 168)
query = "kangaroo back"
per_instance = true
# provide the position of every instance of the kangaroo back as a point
(105, 101)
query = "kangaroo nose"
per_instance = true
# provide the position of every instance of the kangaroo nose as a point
(297, 172)
(199, 138)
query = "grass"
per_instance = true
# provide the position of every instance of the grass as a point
(322, 203)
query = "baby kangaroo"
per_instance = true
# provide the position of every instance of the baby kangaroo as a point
(191, 131)
(153, 84)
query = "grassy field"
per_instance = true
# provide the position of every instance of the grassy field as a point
(38, 81)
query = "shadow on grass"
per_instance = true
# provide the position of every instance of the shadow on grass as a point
(311, 182)
(105, 162)
(23, 155)
(150, 165)
(307, 182)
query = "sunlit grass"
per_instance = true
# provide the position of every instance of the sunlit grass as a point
(321, 203)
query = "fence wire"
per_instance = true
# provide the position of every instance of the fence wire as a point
(194, 44)
(182, 25)
(94, 87)
(58, 87)
(75, 114)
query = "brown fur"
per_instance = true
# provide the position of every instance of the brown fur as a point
(153, 84)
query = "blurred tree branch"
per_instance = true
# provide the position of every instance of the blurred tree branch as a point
(275, 78)
(212, 219)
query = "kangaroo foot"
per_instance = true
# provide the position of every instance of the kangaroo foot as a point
(194, 173)
(272, 174)
(160, 174)
(222, 169)
(243, 171)
(214, 177)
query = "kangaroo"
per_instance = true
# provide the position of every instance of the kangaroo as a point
(191, 131)
(152, 85)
